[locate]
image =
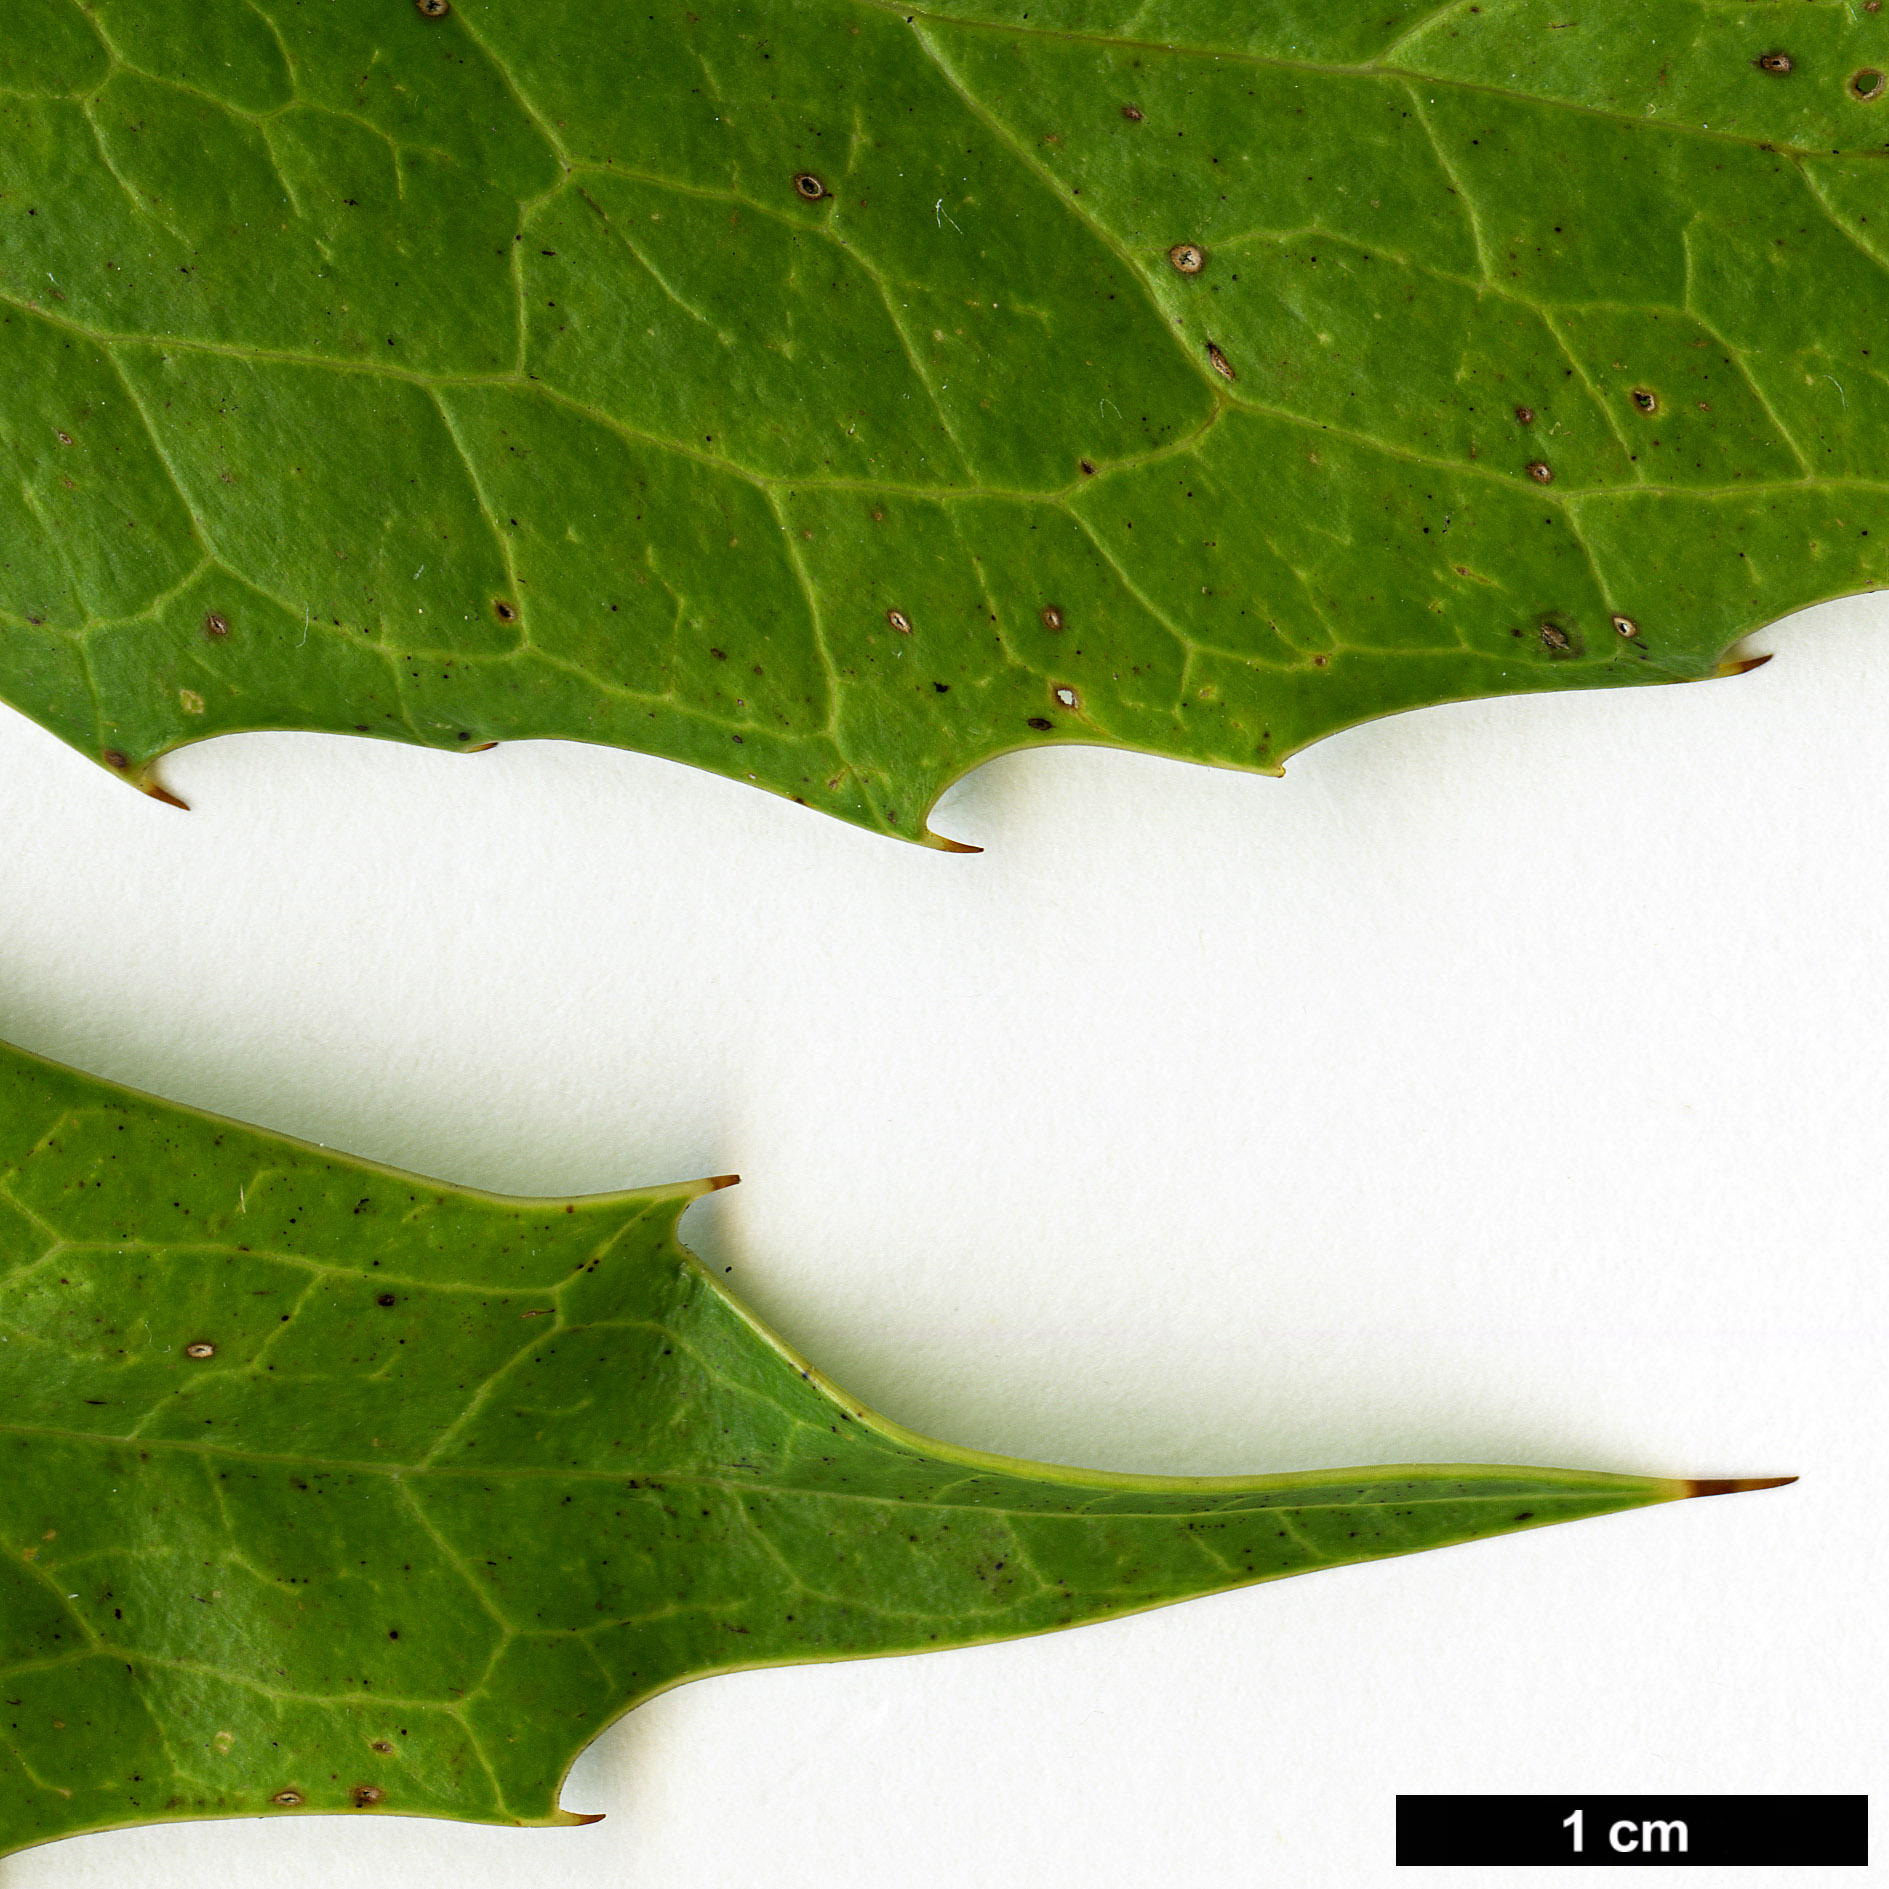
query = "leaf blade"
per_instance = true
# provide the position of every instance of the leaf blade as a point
(320, 1479)
(637, 389)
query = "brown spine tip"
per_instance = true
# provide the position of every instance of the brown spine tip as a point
(585, 1816)
(1744, 666)
(164, 794)
(1737, 1486)
(716, 1182)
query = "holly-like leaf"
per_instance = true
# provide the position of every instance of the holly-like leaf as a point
(324, 1488)
(835, 395)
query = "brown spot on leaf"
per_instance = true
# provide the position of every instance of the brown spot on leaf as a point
(1066, 697)
(1052, 617)
(1219, 363)
(65, 439)
(1088, 471)
(1646, 399)
(1554, 639)
(1778, 62)
(1541, 472)
(216, 624)
(201, 1349)
(809, 186)
(1526, 415)
(1132, 114)
(116, 757)
(1041, 723)
(366, 1795)
(288, 1800)
(434, 9)
(1626, 626)
(1867, 84)
(899, 621)
(1188, 258)
(505, 612)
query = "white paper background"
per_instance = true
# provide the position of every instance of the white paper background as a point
(1507, 1084)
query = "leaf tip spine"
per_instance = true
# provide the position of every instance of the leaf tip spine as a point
(1735, 1485)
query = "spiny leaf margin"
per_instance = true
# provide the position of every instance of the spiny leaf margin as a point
(490, 377)
(326, 1488)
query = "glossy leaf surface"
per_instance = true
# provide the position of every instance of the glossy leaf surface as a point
(326, 1488)
(836, 395)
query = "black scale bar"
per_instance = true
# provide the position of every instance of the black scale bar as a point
(1632, 1832)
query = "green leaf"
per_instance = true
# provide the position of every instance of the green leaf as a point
(326, 1488)
(807, 389)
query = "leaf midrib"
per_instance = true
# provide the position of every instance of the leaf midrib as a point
(1179, 1485)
